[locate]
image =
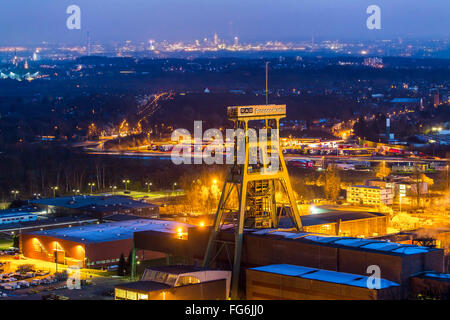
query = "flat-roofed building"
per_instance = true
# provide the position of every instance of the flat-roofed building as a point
(292, 282)
(18, 215)
(177, 282)
(96, 245)
(346, 223)
(273, 246)
(98, 205)
(369, 195)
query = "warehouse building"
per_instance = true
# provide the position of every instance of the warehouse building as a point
(398, 262)
(18, 215)
(291, 282)
(98, 206)
(177, 282)
(346, 223)
(430, 237)
(96, 245)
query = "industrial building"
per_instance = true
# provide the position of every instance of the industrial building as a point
(96, 245)
(291, 282)
(98, 206)
(398, 262)
(430, 237)
(369, 195)
(346, 223)
(17, 215)
(178, 282)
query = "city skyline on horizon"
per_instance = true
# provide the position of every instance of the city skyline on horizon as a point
(178, 20)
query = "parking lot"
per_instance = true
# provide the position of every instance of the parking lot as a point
(30, 279)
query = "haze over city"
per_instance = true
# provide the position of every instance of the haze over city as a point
(31, 22)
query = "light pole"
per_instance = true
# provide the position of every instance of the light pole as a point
(113, 188)
(126, 181)
(15, 193)
(401, 196)
(148, 184)
(37, 195)
(173, 187)
(54, 190)
(447, 176)
(75, 191)
(91, 184)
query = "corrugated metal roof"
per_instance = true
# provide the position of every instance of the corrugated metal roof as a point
(334, 216)
(18, 212)
(92, 202)
(349, 279)
(112, 231)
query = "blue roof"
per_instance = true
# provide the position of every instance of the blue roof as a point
(85, 201)
(17, 212)
(445, 276)
(285, 269)
(112, 231)
(349, 242)
(379, 245)
(405, 100)
(349, 279)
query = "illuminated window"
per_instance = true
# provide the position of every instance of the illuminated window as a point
(131, 295)
(143, 296)
(185, 280)
(122, 294)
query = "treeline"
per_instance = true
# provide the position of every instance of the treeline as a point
(36, 168)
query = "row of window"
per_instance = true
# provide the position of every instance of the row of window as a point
(93, 263)
(129, 295)
(3, 220)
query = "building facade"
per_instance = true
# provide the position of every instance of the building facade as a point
(369, 195)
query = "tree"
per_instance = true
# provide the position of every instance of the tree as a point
(16, 241)
(427, 179)
(122, 266)
(332, 185)
(382, 170)
(128, 265)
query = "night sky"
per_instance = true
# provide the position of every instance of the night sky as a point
(33, 21)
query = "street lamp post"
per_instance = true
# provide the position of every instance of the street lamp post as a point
(91, 184)
(173, 187)
(401, 196)
(447, 176)
(113, 188)
(54, 190)
(15, 193)
(126, 181)
(148, 184)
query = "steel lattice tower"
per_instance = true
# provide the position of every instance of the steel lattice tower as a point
(254, 183)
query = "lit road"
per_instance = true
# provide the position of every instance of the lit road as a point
(167, 156)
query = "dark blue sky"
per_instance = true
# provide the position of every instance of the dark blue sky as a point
(33, 21)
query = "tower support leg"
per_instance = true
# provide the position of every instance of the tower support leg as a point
(239, 233)
(217, 220)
